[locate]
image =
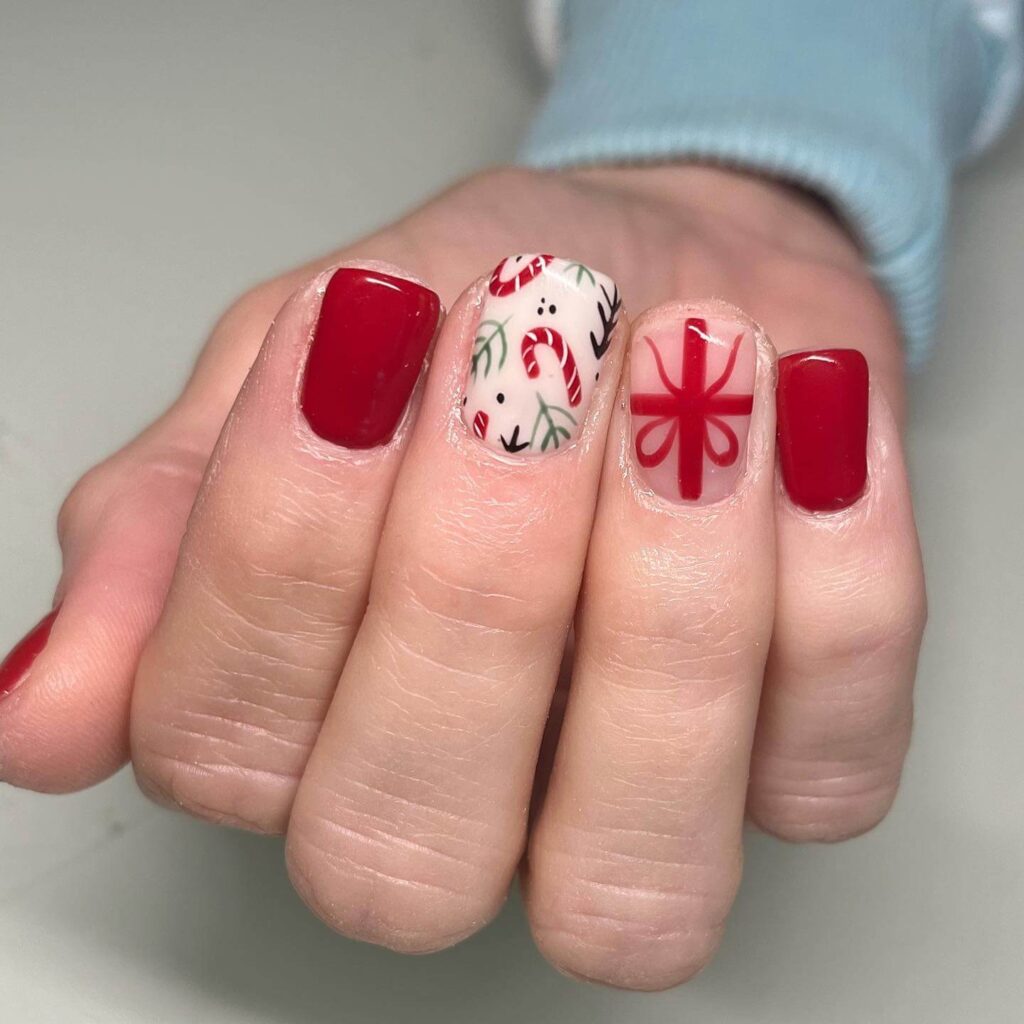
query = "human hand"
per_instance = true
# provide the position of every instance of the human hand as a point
(406, 806)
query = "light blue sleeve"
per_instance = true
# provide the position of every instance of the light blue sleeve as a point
(870, 103)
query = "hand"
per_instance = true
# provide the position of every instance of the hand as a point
(230, 565)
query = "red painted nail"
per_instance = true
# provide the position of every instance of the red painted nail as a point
(822, 402)
(17, 664)
(367, 351)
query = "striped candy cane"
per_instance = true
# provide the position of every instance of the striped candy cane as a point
(566, 360)
(501, 288)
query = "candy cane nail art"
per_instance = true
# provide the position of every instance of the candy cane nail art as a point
(691, 398)
(541, 342)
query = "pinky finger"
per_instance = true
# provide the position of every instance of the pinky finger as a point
(836, 709)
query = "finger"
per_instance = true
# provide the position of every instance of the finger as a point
(410, 818)
(836, 715)
(275, 564)
(636, 856)
(64, 704)
(63, 721)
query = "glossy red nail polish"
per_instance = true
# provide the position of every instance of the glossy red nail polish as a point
(368, 347)
(17, 664)
(822, 402)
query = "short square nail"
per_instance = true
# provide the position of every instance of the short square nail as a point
(370, 341)
(691, 399)
(15, 667)
(822, 402)
(545, 330)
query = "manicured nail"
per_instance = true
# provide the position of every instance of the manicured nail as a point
(822, 401)
(544, 331)
(691, 398)
(368, 348)
(16, 665)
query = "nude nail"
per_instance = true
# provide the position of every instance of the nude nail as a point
(691, 399)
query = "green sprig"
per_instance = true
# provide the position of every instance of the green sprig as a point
(483, 345)
(581, 272)
(554, 432)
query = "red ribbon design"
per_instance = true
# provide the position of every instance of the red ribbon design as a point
(693, 409)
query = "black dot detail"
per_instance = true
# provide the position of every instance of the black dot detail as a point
(597, 376)
(465, 399)
(501, 398)
(551, 308)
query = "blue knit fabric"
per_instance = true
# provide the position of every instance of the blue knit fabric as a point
(868, 102)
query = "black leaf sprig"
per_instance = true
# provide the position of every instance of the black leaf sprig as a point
(608, 320)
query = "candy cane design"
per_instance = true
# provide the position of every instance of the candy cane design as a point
(515, 400)
(500, 288)
(480, 421)
(553, 340)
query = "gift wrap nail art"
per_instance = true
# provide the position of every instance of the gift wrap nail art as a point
(545, 329)
(691, 399)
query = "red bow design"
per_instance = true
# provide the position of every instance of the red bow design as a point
(693, 409)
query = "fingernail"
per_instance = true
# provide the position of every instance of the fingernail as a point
(691, 398)
(15, 667)
(370, 341)
(822, 401)
(544, 333)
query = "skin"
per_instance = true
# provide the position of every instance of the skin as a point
(241, 620)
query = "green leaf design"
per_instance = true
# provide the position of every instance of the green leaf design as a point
(489, 334)
(554, 433)
(581, 272)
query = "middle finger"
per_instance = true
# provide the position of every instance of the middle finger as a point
(411, 816)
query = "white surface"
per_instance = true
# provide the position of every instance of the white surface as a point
(155, 158)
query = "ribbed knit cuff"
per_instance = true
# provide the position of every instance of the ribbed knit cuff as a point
(868, 103)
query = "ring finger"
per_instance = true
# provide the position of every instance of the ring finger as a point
(635, 858)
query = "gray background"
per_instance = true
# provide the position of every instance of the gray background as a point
(156, 158)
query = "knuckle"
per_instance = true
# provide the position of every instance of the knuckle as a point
(189, 779)
(368, 882)
(166, 475)
(704, 667)
(633, 949)
(287, 549)
(483, 185)
(464, 589)
(271, 551)
(825, 806)
(168, 466)
(255, 308)
(872, 617)
(84, 502)
(237, 336)
(632, 933)
(701, 634)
